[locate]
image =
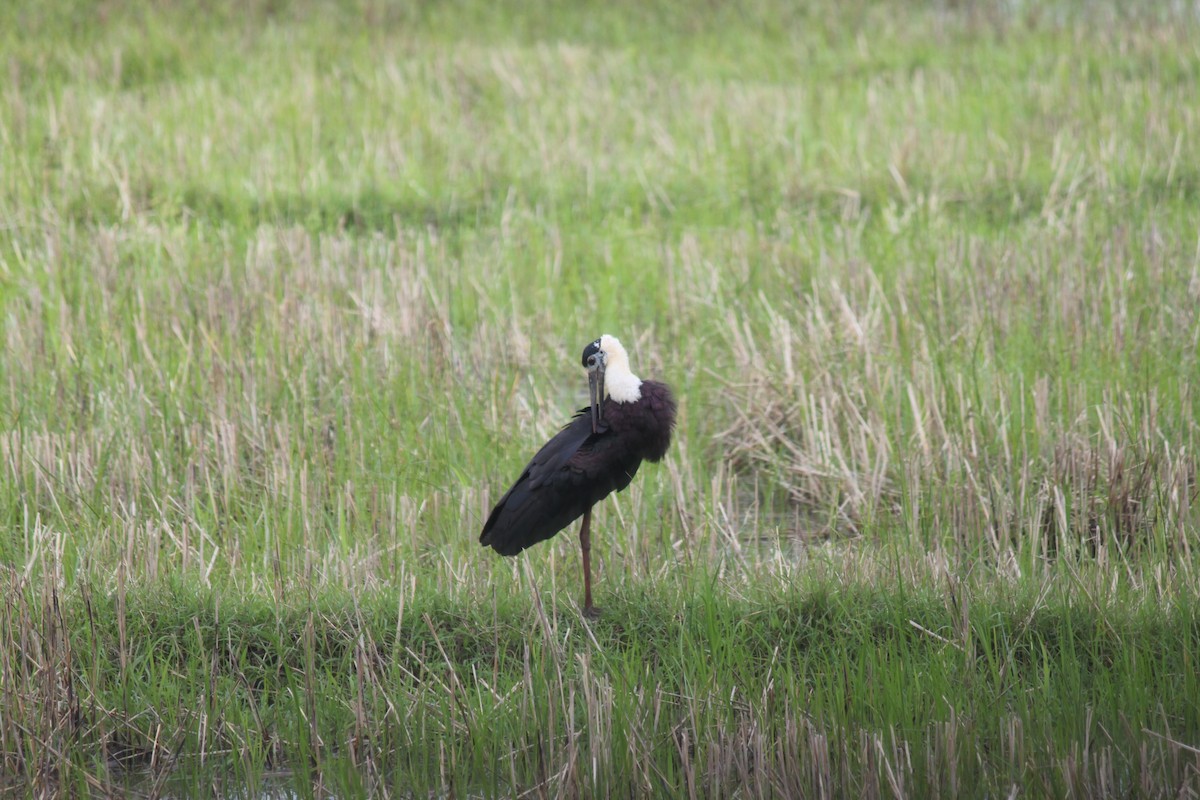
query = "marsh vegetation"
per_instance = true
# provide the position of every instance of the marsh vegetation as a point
(290, 291)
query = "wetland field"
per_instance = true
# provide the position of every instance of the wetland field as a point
(290, 292)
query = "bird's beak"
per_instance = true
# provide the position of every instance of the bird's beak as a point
(596, 392)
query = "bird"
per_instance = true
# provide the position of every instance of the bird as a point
(597, 453)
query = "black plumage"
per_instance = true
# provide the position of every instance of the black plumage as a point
(597, 453)
(577, 469)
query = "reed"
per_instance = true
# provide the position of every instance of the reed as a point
(290, 293)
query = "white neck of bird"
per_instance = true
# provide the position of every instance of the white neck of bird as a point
(620, 382)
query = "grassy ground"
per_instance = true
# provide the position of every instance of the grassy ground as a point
(291, 291)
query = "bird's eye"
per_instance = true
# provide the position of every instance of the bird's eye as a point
(591, 361)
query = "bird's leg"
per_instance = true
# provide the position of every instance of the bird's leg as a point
(585, 543)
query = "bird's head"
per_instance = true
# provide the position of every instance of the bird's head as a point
(607, 365)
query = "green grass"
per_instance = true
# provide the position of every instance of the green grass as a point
(412, 689)
(291, 291)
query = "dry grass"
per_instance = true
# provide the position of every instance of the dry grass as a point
(288, 298)
(848, 402)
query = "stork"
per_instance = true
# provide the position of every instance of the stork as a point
(598, 452)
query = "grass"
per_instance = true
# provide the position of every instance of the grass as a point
(291, 292)
(805, 684)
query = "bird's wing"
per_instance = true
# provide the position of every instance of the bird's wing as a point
(574, 437)
(566, 477)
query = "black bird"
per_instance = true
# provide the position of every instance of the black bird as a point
(598, 452)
